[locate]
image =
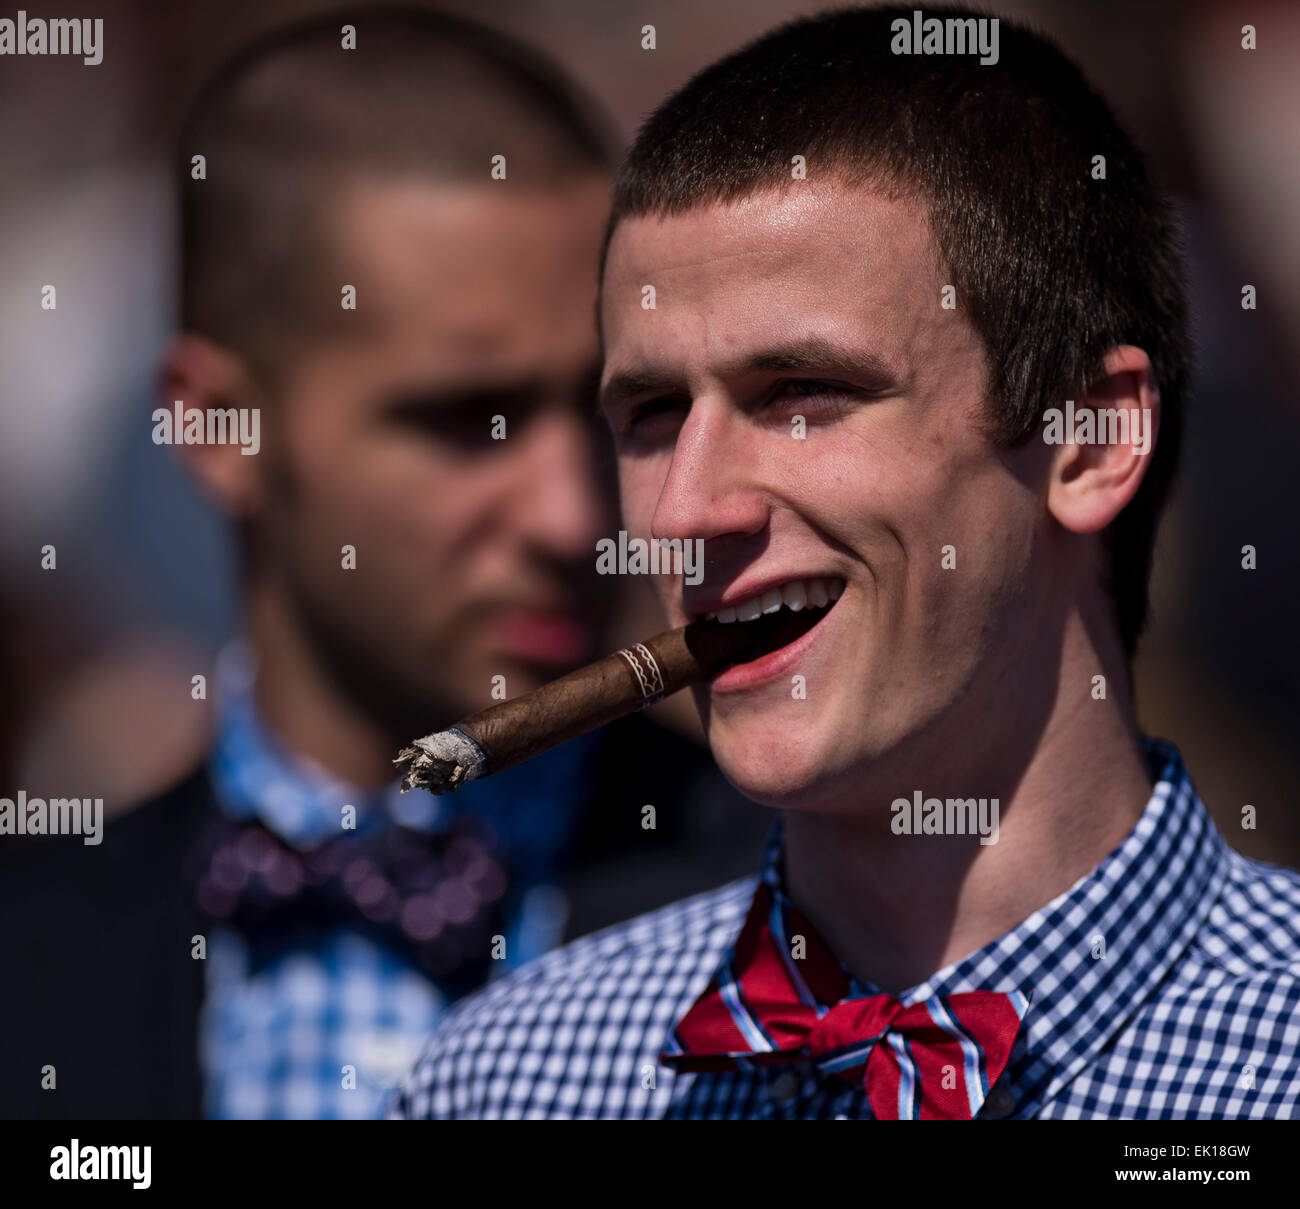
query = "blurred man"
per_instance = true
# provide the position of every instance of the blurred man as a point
(988, 894)
(390, 236)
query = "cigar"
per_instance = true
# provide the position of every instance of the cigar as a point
(628, 680)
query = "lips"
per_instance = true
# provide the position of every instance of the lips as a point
(545, 638)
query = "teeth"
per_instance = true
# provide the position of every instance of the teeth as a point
(795, 595)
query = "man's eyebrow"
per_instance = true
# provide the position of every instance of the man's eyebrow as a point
(814, 354)
(817, 354)
(409, 402)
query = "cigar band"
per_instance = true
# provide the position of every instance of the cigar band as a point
(642, 662)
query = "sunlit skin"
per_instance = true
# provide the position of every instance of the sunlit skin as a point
(473, 554)
(824, 301)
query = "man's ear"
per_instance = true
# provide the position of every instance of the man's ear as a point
(199, 373)
(1091, 482)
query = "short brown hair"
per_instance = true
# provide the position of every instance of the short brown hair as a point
(291, 117)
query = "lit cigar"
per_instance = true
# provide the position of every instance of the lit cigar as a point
(621, 683)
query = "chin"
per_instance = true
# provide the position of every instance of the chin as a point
(776, 766)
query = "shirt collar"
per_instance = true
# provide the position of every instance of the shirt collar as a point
(255, 775)
(1095, 953)
(532, 808)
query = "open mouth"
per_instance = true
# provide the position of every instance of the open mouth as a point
(764, 624)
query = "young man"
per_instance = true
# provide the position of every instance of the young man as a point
(988, 895)
(276, 936)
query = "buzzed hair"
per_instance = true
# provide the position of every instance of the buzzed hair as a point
(295, 118)
(1054, 265)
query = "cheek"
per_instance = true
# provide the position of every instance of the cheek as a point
(973, 562)
(865, 490)
(413, 514)
(942, 531)
(640, 483)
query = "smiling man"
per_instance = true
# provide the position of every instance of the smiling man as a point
(872, 276)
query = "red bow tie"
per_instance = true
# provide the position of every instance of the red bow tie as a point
(931, 1060)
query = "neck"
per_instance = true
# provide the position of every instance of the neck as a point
(895, 909)
(304, 705)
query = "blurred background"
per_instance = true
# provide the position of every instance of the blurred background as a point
(96, 660)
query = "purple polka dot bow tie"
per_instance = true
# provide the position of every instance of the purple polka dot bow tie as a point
(436, 897)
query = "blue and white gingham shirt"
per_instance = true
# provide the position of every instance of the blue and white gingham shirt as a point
(1190, 1009)
(275, 1036)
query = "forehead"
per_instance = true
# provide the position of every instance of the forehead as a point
(473, 263)
(809, 260)
(466, 224)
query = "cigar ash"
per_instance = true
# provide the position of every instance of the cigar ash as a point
(441, 762)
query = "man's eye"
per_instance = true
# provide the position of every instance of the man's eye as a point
(809, 397)
(471, 423)
(654, 417)
(808, 388)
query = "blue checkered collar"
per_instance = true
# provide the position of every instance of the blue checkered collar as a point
(533, 808)
(1144, 903)
(254, 775)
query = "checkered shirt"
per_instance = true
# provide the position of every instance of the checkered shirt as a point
(1166, 984)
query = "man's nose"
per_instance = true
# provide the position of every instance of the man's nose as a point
(560, 505)
(710, 490)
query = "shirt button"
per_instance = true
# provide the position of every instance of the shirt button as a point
(784, 1087)
(1001, 1103)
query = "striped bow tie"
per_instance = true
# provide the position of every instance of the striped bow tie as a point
(931, 1060)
